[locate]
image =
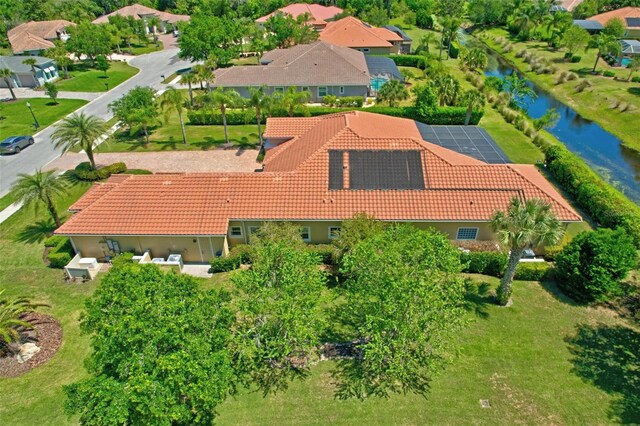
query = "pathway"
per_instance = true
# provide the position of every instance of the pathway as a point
(25, 93)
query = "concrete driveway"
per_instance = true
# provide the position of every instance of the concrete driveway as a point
(218, 160)
(151, 66)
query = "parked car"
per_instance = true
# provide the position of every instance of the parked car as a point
(14, 144)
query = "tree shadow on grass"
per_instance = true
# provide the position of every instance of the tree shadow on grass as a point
(477, 298)
(209, 143)
(609, 358)
(36, 232)
(634, 90)
(52, 103)
(553, 290)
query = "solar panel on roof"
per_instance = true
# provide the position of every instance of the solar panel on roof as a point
(633, 22)
(385, 170)
(336, 176)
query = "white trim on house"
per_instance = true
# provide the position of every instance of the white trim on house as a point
(332, 233)
(305, 230)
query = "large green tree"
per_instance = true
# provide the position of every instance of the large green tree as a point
(525, 224)
(79, 130)
(283, 30)
(90, 40)
(159, 350)
(575, 38)
(138, 109)
(392, 92)
(404, 300)
(207, 35)
(41, 188)
(280, 317)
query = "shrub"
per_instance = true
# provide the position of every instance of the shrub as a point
(484, 262)
(61, 253)
(636, 79)
(83, 171)
(532, 271)
(237, 256)
(609, 207)
(59, 260)
(576, 58)
(580, 87)
(568, 55)
(572, 76)
(552, 252)
(329, 100)
(138, 172)
(54, 241)
(416, 61)
(424, 19)
(350, 101)
(591, 266)
(326, 252)
(609, 73)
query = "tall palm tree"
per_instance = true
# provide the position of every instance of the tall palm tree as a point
(199, 71)
(473, 99)
(79, 130)
(32, 63)
(6, 74)
(189, 79)
(11, 313)
(451, 26)
(170, 101)
(392, 92)
(525, 224)
(293, 98)
(605, 44)
(425, 42)
(446, 89)
(258, 100)
(633, 66)
(221, 99)
(40, 188)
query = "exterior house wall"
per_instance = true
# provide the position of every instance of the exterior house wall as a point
(632, 33)
(331, 90)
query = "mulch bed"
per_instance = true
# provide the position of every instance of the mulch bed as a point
(47, 334)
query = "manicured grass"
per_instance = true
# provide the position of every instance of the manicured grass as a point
(597, 102)
(7, 200)
(18, 120)
(85, 79)
(141, 49)
(168, 137)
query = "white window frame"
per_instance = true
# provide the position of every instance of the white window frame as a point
(326, 91)
(464, 229)
(304, 89)
(308, 232)
(231, 234)
(332, 232)
(342, 90)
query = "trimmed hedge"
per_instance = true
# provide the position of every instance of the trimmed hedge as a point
(532, 271)
(606, 205)
(417, 61)
(491, 263)
(61, 252)
(237, 256)
(84, 172)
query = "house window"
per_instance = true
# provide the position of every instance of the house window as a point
(305, 232)
(365, 50)
(253, 229)
(304, 89)
(334, 232)
(467, 234)
(322, 91)
(235, 232)
(278, 89)
(342, 90)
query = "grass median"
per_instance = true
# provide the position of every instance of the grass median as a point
(18, 120)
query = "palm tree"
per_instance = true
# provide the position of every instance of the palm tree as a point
(222, 99)
(525, 224)
(633, 66)
(189, 79)
(451, 25)
(79, 130)
(153, 23)
(292, 98)
(258, 100)
(40, 188)
(170, 101)
(11, 313)
(473, 99)
(425, 42)
(199, 71)
(392, 92)
(446, 89)
(32, 63)
(606, 44)
(6, 74)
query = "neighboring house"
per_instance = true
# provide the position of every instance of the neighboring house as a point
(405, 46)
(591, 26)
(320, 172)
(167, 20)
(23, 76)
(353, 33)
(630, 16)
(31, 38)
(321, 68)
(319, 14)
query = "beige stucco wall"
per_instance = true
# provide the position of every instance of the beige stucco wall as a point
(193, 249)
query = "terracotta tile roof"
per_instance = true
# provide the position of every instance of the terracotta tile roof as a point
(623, 13)
(352, 32)
(318, 12)
(138, 10)
(36, 35)
(294, 186)
(318, 63)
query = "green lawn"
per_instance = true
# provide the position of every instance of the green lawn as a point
(91, 80)
(141, 49)
(596, 103)
(18, 120)
(168, 137)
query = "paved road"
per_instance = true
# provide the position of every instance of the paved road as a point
(151, 66)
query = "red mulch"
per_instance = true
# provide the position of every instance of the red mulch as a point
(48, 336)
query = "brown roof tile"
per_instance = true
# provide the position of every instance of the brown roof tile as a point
(317, 12)
(352, 32)
(36, 35)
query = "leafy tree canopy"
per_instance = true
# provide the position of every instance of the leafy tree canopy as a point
(206, 36)
(286, 31)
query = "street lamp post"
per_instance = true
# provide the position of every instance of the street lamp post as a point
(35, 120)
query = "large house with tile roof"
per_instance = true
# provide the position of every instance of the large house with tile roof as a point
(630, 17)
(168, 21)
(318, 172)
(352, 32)
(319, 15)
(31, 38)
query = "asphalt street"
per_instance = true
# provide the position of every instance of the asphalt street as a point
(151, 66)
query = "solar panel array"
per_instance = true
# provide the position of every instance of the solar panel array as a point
(385, 170)
(633, 22)
(336, 176)
(472, 141)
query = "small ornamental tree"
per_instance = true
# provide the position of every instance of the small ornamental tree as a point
(279, 318)
(591, 266)
(392, 92)
(102, 64)
(404, 299)
(51, 90)
(159, 350)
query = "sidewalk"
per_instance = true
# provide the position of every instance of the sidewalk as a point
(26, 93)
(10, 210)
